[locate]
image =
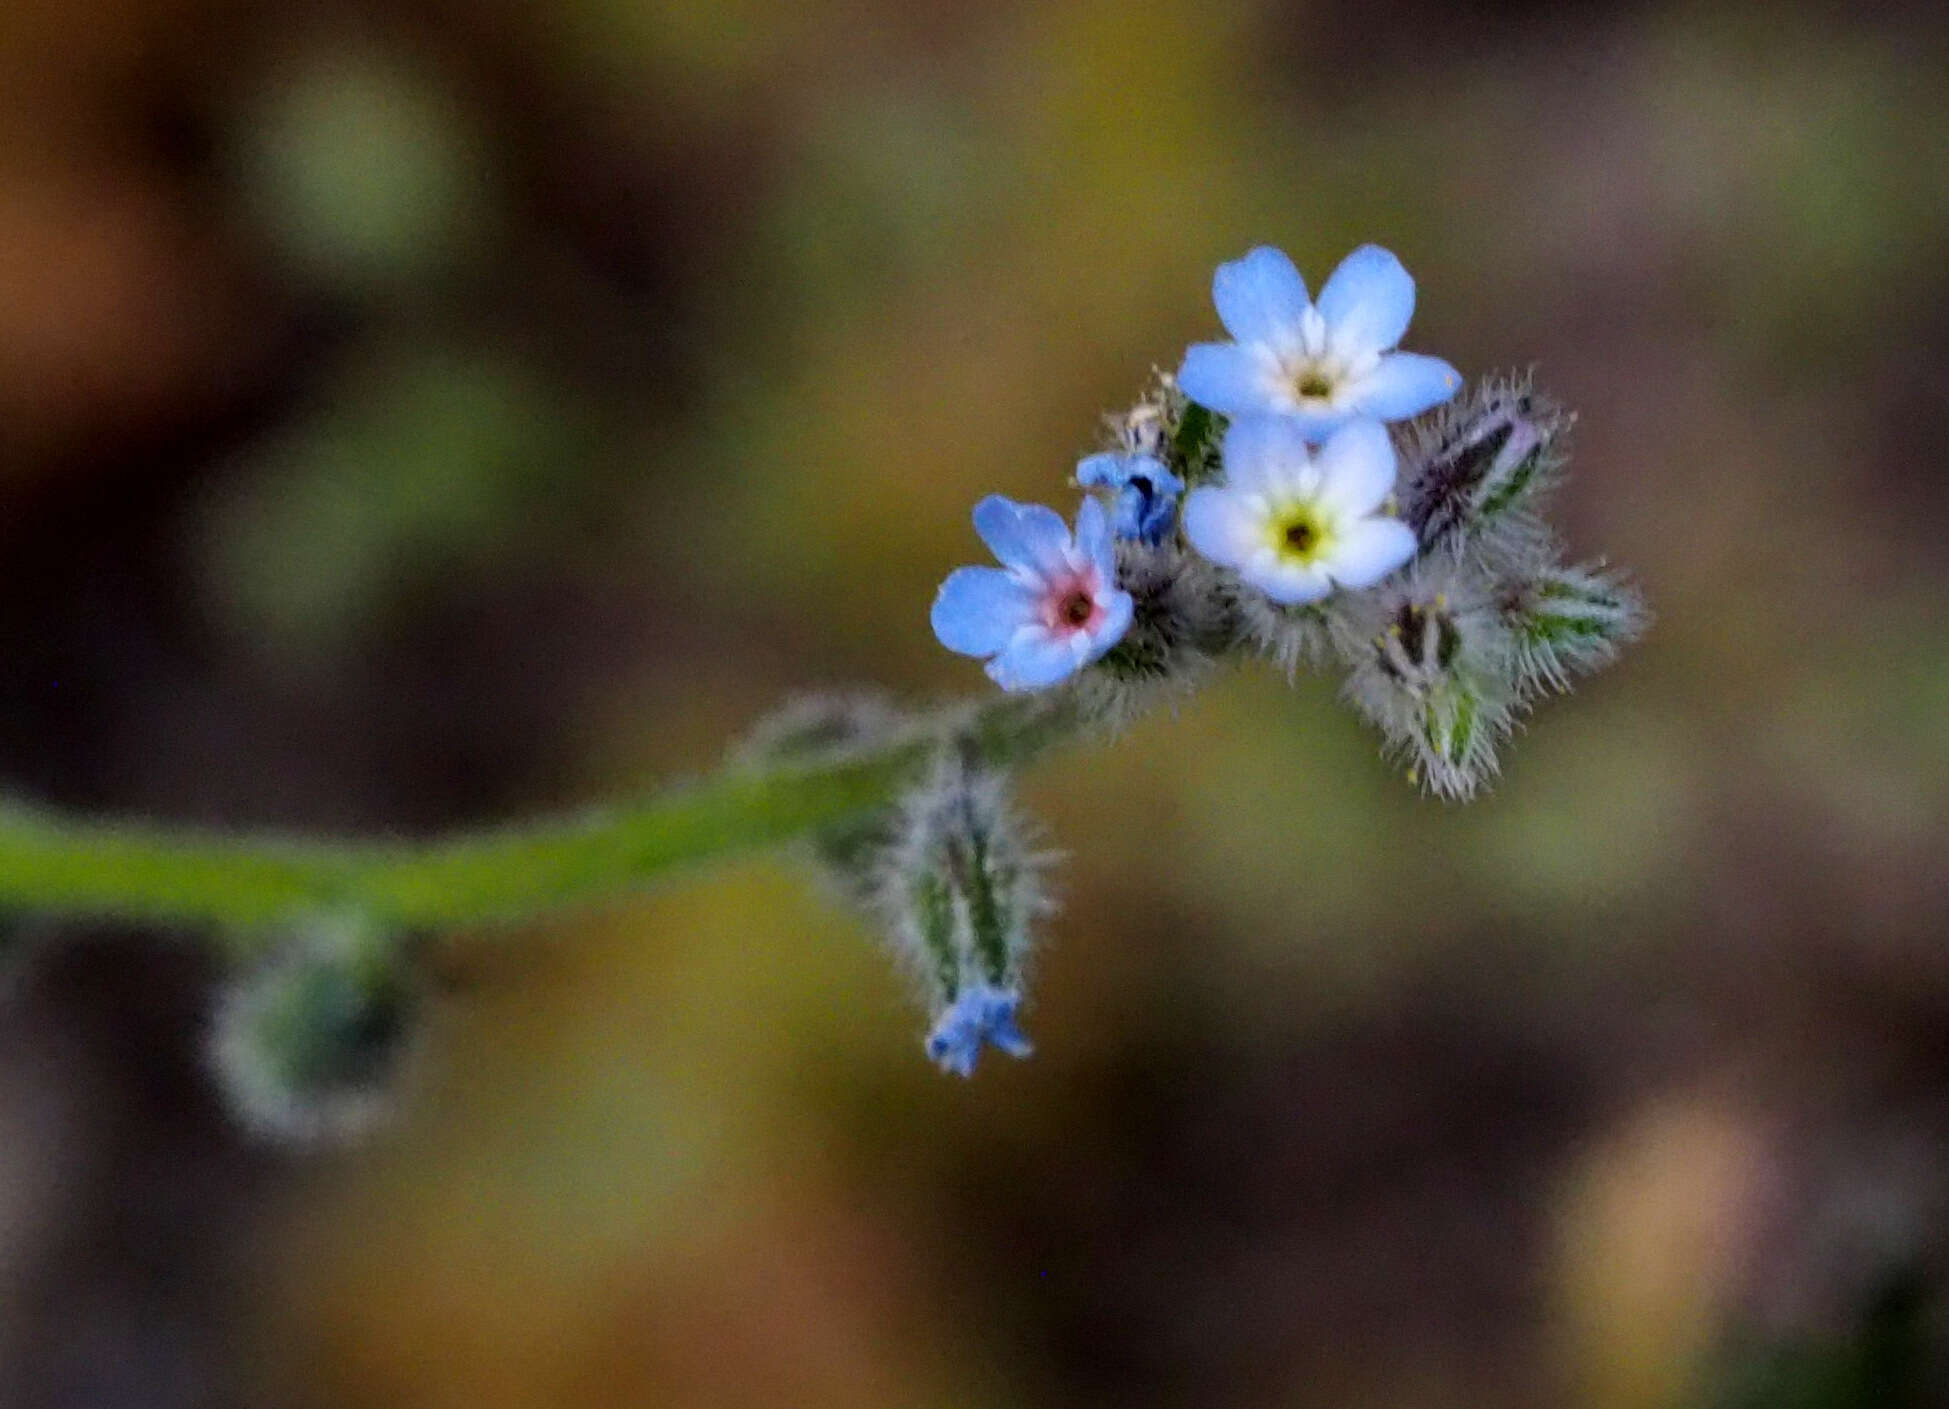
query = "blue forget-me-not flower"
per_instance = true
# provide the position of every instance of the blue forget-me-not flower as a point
(979, 1013)
(1322, 364)
(1296, 522)
(1145, 504)
(1424, 571)
(1051, 608)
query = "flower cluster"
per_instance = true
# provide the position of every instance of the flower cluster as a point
(1309, 492)
(1305, 492)
(1302, 503)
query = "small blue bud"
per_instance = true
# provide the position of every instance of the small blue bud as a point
(960, 890)
(1144, 506)
(978, 1014)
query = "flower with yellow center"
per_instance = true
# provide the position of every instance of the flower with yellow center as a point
(1322, 364)
(1298, 522)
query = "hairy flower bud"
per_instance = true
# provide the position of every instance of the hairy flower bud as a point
(311, 1043)
(1568, 621)
(826, 728)
(1475, 473)
(1432, 671)
(821, 726)
(1183, 617)
(1289, 637)
(960, 889)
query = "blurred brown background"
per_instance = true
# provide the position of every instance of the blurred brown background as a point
(412, 413)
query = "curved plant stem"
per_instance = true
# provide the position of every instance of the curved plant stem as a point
(157, 873)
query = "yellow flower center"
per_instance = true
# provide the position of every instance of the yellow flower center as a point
(1299, 534)
(1313, 384)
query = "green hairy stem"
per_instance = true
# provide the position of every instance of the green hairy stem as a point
(248, 885)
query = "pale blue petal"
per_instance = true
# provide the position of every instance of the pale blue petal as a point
(1111, 470)
(1022, 535)
(1315, 426)
(1000, 1027)
(1261, 453)
(1405, 384)
(1117, 610)
(1357, 467)
(1366, 551)
(979, 610)
(1093, 539)
(1005, 1036)
(953, 1043)
(1367, 303)
(955, 1055)
(1290, 584)
(1226, 378)
(1104, 471)
(1144, 521)
(1129, 515)
(1260, 298)
(1033, 661)
(978, 1014)
(1219, 525)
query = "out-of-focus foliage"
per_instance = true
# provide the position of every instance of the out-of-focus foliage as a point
(418, 465)
(362, 172)
(1882, 1363)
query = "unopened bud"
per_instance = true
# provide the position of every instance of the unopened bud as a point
(828, 728)
(311, 1043)
(1569, 621)
(960, 890)
(1432, 673)
(1183, 615)
(1474, 476)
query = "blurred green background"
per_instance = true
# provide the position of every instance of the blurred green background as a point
(415, 412)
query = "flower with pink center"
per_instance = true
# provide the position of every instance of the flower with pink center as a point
(1051, 608)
